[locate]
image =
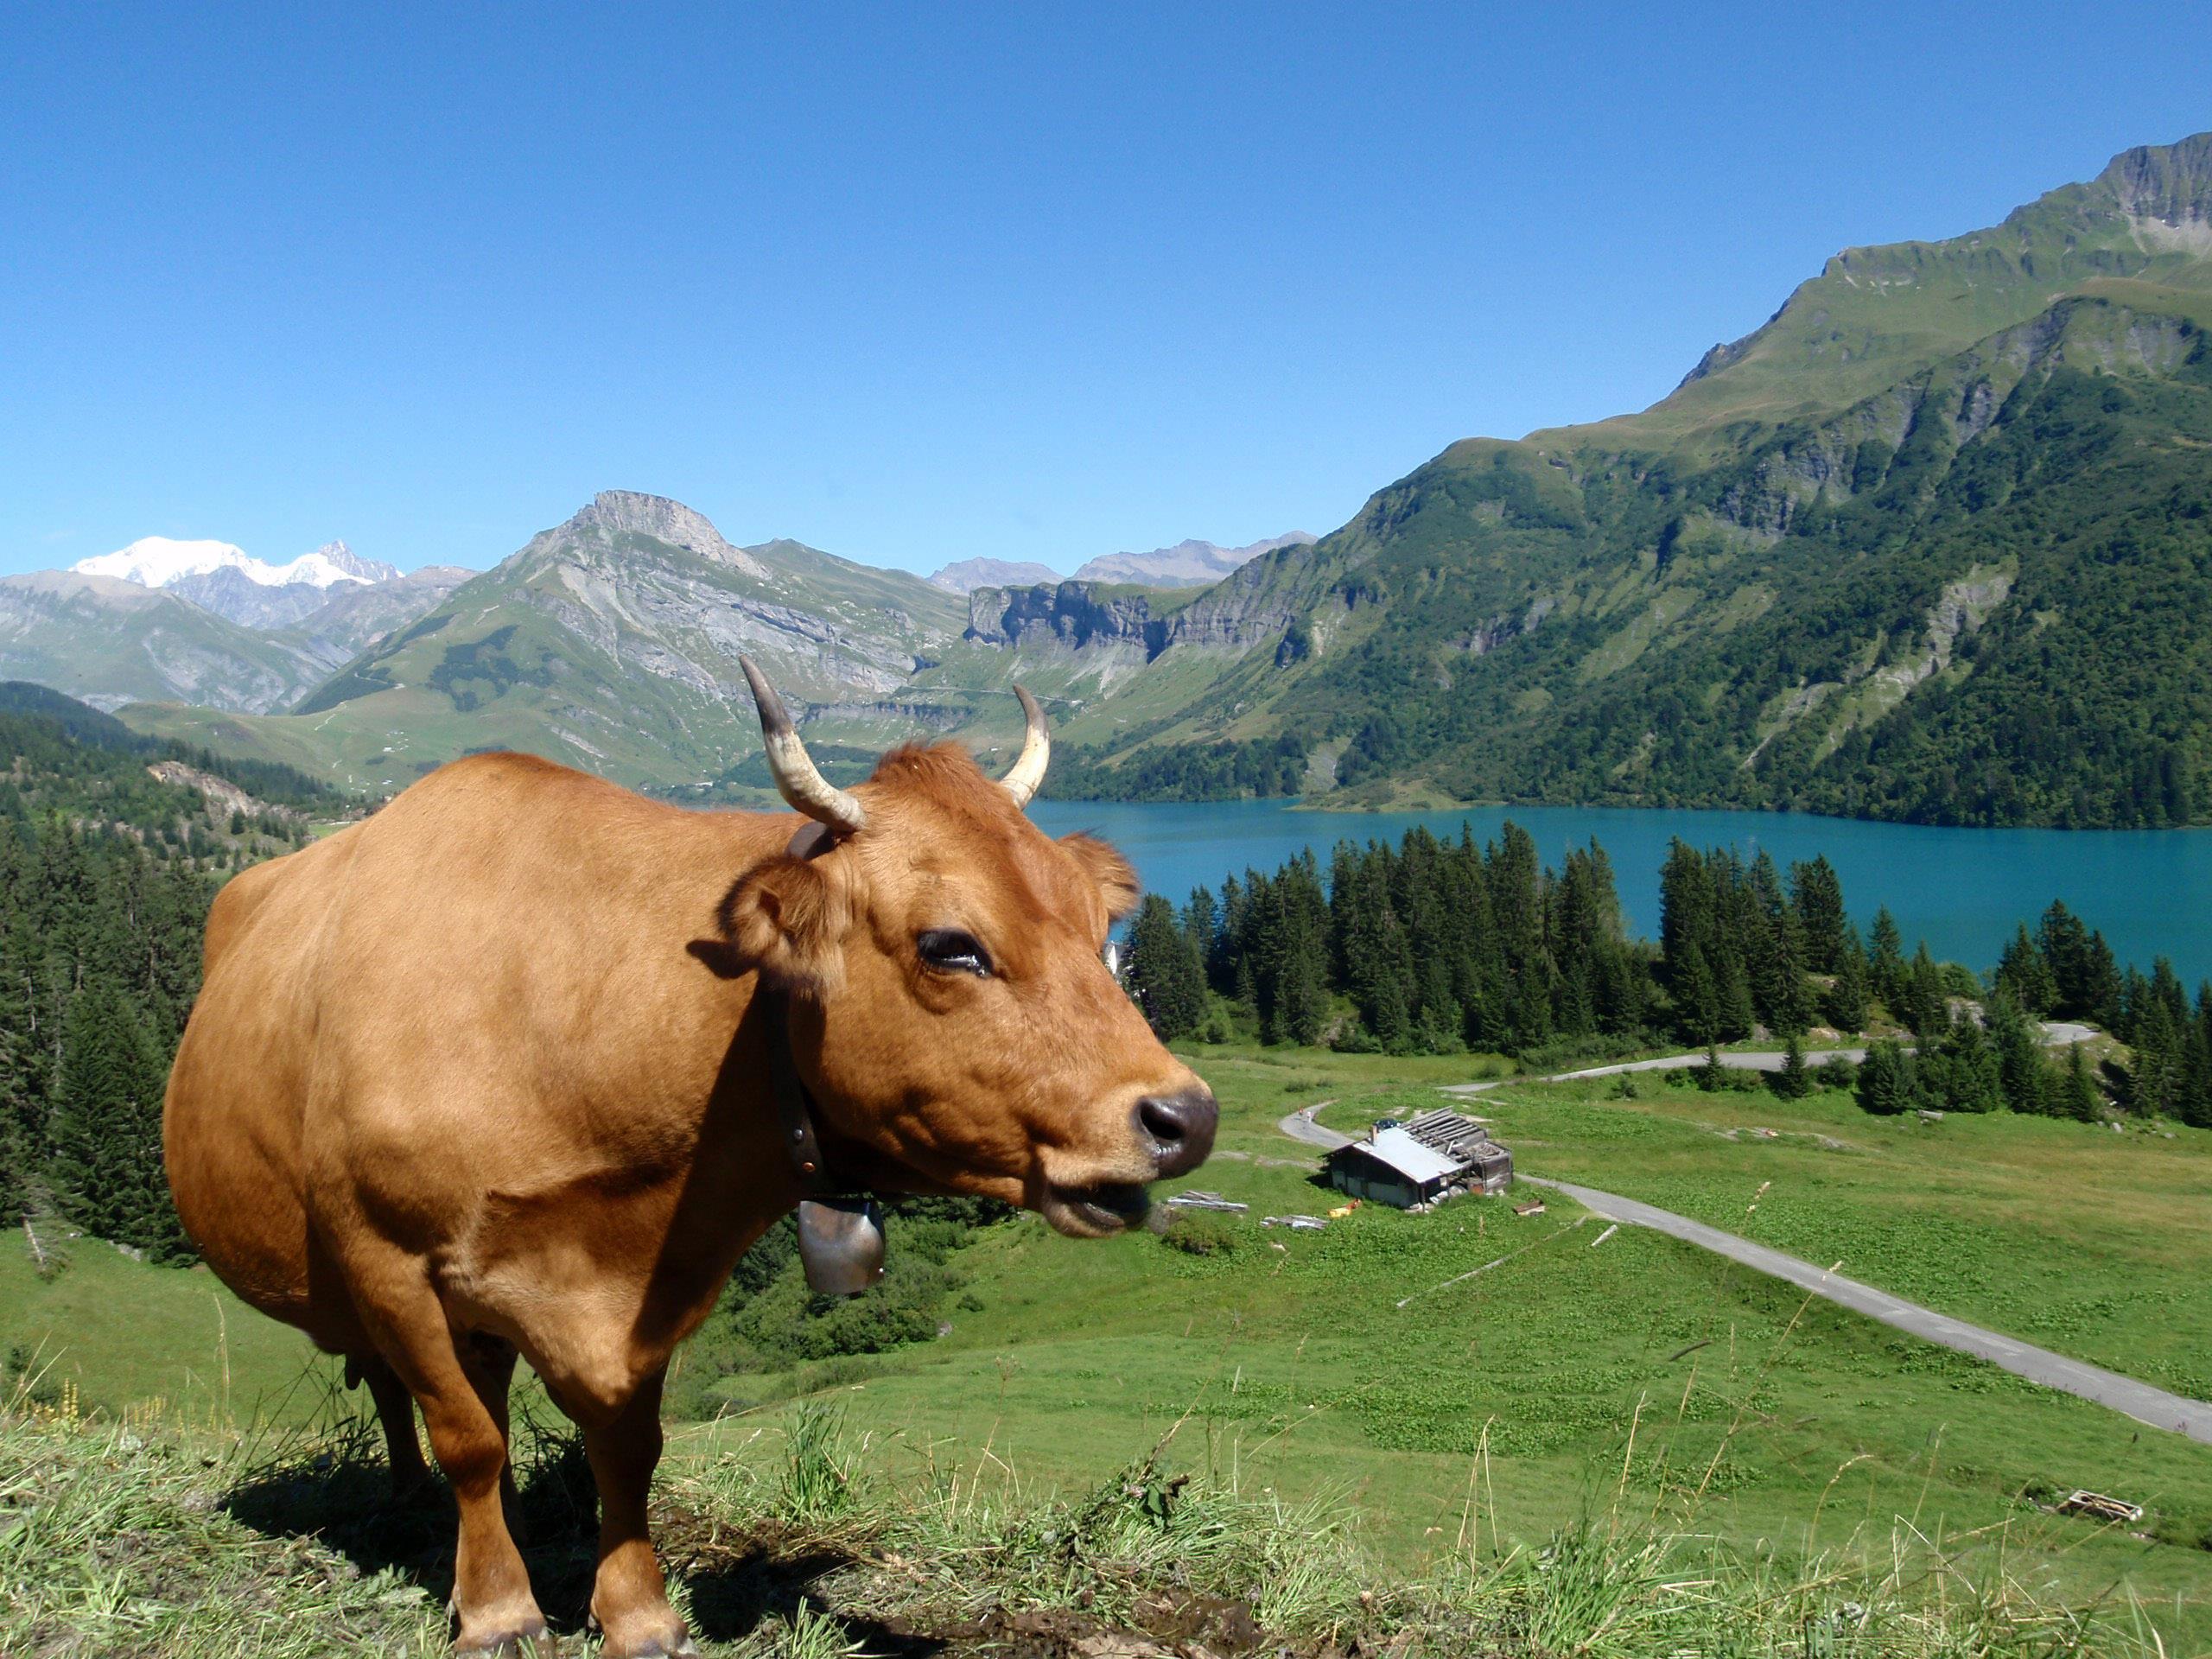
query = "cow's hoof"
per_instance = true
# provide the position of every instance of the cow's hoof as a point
(656, 1630)
(677, 1646)
(537, 1643)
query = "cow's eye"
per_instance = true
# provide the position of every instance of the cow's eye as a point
(950, 951)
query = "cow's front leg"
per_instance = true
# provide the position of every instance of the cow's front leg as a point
(629, 1597)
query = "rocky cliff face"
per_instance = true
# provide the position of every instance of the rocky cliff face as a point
(1069, 615)
(2166, 186)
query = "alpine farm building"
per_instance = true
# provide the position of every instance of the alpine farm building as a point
(1417, 1165)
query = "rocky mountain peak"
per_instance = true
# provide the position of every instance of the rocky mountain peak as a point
(1184, 563)
(616, 512)
(346, 559)
(967, 575)
(2170, 184)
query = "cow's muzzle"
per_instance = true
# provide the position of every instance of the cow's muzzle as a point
(1179, 1129)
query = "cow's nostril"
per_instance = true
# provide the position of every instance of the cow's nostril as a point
(1162, 1120)
(1180, 1126)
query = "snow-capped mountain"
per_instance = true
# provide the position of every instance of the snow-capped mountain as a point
(160, 561)
(233, 584)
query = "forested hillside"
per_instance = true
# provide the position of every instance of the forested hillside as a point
(106, 872)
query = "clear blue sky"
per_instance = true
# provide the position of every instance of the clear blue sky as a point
(916, 284)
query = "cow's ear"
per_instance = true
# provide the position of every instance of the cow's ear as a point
(1117, 881)
(786, 921)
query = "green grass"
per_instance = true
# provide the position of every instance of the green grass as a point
(141, 1539)
(1293, 1370)
(121, 1333)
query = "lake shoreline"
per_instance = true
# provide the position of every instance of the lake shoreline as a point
(1962, 889)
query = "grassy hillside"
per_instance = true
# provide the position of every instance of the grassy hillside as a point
(1837, 339)
(1928, 546)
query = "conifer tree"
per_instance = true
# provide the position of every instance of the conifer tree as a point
(1229, 941)
(1816, 898)
(1707, 1074)
(1795, 1080)
(1885, 969)
(1925, 998)
(1965, 1073)
(1697, 996)
(1738, 1014)
(1201, 925)
(106, 1164)
(2079, 1096)
(2022, 1074)
(2193, 1106)
(1887, 1085)
(1846, 1002)
(1164, 977)
(1775, 953)
(2023, 972)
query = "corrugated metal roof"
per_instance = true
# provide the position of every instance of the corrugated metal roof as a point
(1417, 1163)
(1448, 1132)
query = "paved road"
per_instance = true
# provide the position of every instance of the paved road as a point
(2056, 1033)
(1300, 1126)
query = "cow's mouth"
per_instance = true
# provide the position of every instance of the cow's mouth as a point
(1097, 1211)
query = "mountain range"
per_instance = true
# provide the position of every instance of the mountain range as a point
(1934, 542)
(1186, 564)
(228, 581)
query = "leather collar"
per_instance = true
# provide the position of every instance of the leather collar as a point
(795, 1107)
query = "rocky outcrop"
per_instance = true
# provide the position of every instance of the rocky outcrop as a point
(1069, 615)
(2167, 188)
(221, 793)
(620, 512)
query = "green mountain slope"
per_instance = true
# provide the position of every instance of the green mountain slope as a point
(113, 641)
(1842, 336)
(1932, 544)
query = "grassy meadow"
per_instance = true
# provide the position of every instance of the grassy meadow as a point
(1461, 1415)
(2076, 1238)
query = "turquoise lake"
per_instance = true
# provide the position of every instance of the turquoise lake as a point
(1961, 890)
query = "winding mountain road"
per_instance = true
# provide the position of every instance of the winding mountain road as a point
(2138, 1399)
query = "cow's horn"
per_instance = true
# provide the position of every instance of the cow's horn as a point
(797, 780)
(1028, 771)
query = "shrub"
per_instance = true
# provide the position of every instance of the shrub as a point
(1836, 1072)
(1202, 1233)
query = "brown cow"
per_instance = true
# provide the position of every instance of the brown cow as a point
(488, 1075)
